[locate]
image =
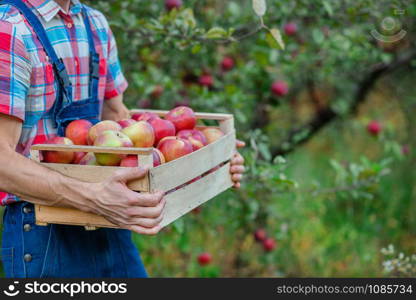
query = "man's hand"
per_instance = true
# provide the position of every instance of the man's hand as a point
(114, 109)
(139, 212)
(237, 166)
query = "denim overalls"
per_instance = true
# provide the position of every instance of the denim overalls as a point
(31, 251)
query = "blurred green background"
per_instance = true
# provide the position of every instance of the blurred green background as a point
(331, 159)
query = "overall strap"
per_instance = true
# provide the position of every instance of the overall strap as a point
(94, 58)
(58, 64)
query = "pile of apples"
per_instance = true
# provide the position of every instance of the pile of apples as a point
(171, 138)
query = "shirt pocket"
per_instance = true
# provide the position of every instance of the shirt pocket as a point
(42, 91)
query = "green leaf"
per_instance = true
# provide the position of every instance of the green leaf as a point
(259, 7)
(328, 8)
(274, 39)
(216, 33)
(196, 48)
(188, 17)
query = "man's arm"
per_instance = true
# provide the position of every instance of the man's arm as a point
(114, 109)
(140, 212)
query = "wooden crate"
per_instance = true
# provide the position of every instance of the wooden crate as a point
(170, 177)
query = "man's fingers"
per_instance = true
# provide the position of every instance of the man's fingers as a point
(239, 169)
(146, 212)
(237, 185)
(144, 230)
(146, 222)
(130, 173)
(146, 199)
(237, 177)
(240, 144)
(237, 160)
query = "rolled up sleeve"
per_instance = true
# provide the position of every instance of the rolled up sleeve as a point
(15, 70)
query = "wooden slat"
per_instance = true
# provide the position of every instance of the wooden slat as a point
(199, 115)
(227, 125)
(69, 216)
(96, 174)
(47, 147)
(191, 196)
(184, 169)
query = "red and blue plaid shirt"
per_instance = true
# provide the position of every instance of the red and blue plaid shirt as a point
(27, 84)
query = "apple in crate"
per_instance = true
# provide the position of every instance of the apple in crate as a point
(158, 158)
(212, 134)
(195, 137)
(59, 157)
(88, 160)
(78, 156)
(162, 128)
(114, 139)
(126, 123)
(141, 134)
(173, 148)
(182, 117)
(77, 131)
(100, 127)
(145, 116)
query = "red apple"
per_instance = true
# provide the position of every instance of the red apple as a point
(174, 148)
(206, 80)
(88, 160)
(280, 88)
(146, 116)
(58, 157)
(78, 156)
(195, 137)
(141, 134)
(260, 235)
(290, 28)
(227, 63)
(374, 128)
(126, 123)
(100, 127)
(182, 117)
(162, 128)
(114, 139)
(77, 131)
(130, 161)
(204, 259)
(158, 158)
(157, 92)
(171, 4)
(269, 244)
(212, 134)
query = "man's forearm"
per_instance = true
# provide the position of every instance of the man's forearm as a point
(37, 184)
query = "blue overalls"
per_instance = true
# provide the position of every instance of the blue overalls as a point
(29, 250)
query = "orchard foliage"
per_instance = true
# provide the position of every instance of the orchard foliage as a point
(316, 71)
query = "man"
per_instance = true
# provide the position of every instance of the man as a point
(58, 62)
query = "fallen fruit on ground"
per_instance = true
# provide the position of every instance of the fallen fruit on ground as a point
(212, 134)
(77, 131)
(280, 88)
(100, 127)
(173, 148)
(182, 117)
(113, 139)
(141, 134)
(58, 157)
(204, 259)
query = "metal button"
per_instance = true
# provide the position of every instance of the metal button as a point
(27, 257)
(27, 209)
(69, 25)
(27, 227)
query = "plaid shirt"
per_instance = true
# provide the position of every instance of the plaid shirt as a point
(27, 84)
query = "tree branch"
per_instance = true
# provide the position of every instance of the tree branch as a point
(325, 116)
